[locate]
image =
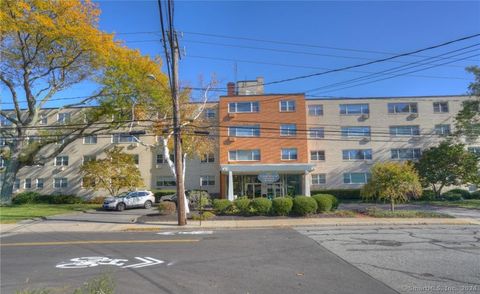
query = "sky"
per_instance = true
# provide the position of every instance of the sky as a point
(321, 35)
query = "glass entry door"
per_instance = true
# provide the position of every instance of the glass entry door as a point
(253, 190)
(274, 190)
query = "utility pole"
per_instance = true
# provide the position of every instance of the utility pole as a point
(177, 131)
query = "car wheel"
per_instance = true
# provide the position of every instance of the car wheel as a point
(121, 206)
(148, 204)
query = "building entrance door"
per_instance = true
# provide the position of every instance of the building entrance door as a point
(274, 190)
(253, 190)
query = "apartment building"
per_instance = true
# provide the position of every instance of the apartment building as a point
(267, 144)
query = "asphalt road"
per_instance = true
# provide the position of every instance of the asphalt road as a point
(225, 261)
(423, 259)
(104, 216)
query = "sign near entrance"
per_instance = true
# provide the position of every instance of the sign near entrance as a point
(268, 178)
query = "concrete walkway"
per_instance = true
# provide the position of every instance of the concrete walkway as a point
(40, 226)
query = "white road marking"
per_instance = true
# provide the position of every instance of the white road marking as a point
(93, 261)
(147, 261)
(186, 233)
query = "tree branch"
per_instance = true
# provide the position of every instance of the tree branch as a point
(11, 87)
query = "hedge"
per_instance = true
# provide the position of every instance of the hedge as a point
(35, 198)
(342, 194)
(475, 195)
(324, 202)
(451, 196)
(222, 206)
(282, 205)
(243, 205)
(303, 205)
(465, 194)
(261, 206)
(167, 207)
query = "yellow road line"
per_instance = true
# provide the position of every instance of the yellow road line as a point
(98, 242)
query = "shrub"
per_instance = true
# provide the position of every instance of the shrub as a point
(221, 206)
(198, 199)
(427, 195)
(282, 206)
(243, 205)
(303, 205)
(64, 199)
(465, 194)
(96, 200)
(167, 207)
(160, 193)
(342, 194)
(475, 195)
(451, 196)
(261, 206)
(26, 198)
(324, 202)
(204, 216)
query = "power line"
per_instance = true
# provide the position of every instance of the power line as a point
(403, 67)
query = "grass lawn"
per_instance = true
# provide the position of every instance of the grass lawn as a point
(467, 203)
(375, 212)
(15, 213)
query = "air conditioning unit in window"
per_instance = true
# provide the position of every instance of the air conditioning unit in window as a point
(413, 115)
(364, 116)
(365, 139)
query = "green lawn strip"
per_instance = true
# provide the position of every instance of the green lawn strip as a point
(15, 213)
(467, 203)
(405, 214)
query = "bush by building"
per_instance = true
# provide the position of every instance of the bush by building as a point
(222, 206)
(465, 194)
(324, 202)
(303, 205)
(475, 195)
(451, 196)
(341, 194)
(261, 206)
(37, 198)
(282, 206)
(243, 205)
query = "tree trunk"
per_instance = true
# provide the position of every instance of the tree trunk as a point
(392, 204)
(187, 208)
(8, 179)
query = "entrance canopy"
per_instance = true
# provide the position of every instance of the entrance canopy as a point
(293, 168)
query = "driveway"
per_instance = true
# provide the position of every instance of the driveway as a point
(104, 216)
(453, 211)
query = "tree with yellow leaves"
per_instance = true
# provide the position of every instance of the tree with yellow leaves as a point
(48, 46)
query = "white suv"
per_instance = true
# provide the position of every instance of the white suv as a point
(143, 199)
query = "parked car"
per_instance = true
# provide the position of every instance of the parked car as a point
(132, 199)
(193, 197)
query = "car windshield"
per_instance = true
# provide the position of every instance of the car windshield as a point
(123, 194)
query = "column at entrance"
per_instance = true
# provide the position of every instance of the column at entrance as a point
(306, 184)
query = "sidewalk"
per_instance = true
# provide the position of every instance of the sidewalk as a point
(42, 226)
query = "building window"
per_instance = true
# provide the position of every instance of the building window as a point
(88, 182)
(474, 150)
(442, 130)
(402, 108)
(243, 107)
(60, 182)
(92, 139)
(244, 131)
(356, 178)
(43, 120)
(16, 184)
(63, 117)
(207, 181)
(207, 157)
(40, 183)
(136, 158)
(4, 121)
(210, 113)
(352, 109)
(319, 179)
(87, 158)
(123, 138)
(287, 105)
(165, 181)
(161, 159)
(317, 133)
(404, 131)
(289, 154)
(61, 160)
(317, 155)
(440, 107)
(357, 154)
(406, 153)
(28, 183)
(356, 132)
(244, 155)
(315, 110)
(288, 130)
